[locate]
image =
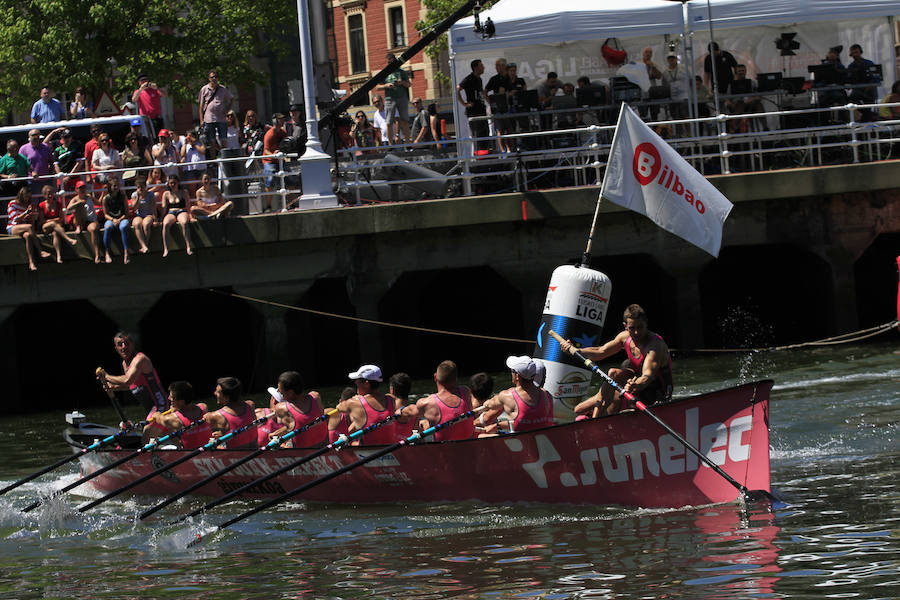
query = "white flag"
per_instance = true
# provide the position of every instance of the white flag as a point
(646, 175)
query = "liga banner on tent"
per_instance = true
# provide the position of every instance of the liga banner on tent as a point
(646, 175)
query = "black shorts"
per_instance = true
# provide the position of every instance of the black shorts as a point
(654, 393)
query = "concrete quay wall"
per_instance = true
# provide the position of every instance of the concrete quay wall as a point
(801, 239)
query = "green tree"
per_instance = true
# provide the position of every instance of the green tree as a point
(106, 44)
(438, 10)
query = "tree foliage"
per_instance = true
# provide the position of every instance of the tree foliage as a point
(106, 44)
(438, 10)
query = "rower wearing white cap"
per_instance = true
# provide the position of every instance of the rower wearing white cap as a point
(296, 409)
(527, 405)
(369, 406)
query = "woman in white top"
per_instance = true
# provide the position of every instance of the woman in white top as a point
(105, 157)
(233, 136)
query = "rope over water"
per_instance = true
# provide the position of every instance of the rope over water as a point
(846, 338)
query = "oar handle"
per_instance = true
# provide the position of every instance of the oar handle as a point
(100, 372)
(416, 436)
(643, 408)
(340, 442)
(112, 465)
(272, 444)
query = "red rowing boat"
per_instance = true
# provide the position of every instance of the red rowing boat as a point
(624, 459)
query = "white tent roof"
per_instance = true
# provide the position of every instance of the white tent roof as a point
(743, 13)
(527, 22)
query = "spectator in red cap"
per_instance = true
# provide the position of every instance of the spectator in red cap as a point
(164, 153)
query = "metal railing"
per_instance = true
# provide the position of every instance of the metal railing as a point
(577, 156)
(252, 165)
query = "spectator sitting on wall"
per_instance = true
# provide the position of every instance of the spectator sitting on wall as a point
(47, 108)
(20, 217)
(210, 202)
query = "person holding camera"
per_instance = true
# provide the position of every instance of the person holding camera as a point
(147, 99)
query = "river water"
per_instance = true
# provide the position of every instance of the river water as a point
(835, 419)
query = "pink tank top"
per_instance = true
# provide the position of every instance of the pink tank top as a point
(246, 438)
(533, 417)
(461, 430)
(263, 431)
(403, 430)
(196, 436)
(315, 435)
(341, 429)
(386, 434)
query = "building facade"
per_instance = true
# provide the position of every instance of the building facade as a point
(362, 32)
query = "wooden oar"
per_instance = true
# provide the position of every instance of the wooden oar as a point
(416, 436)
(340, 442)
(209, 446)
(71, 457)
(101, 377)
(752, 495)
(273, 443)
(112, 465)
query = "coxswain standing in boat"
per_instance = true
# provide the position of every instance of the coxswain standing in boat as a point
(450, 400)
(527, 406)
(646, 372)
(233, 414)
(185, 411)
(399, 386)
(140, 378)
(369, 406)
(298, 408)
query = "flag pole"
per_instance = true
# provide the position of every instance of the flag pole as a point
(586, 257)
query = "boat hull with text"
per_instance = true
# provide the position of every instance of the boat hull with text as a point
(624, 459)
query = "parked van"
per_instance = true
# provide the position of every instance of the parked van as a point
(117, 127)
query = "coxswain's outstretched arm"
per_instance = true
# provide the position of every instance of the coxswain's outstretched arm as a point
(600, 352)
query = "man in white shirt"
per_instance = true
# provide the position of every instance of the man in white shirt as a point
(380, 119)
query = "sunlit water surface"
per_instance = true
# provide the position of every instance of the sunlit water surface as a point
(834, 418)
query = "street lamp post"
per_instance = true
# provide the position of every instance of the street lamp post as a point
(317, 188)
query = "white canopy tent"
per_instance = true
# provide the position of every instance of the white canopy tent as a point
(566, 36)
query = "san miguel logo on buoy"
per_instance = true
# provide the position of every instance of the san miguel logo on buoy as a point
(647, 165)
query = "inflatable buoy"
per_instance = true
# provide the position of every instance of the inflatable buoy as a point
(575, 308)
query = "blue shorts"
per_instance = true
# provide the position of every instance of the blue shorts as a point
(270, 169)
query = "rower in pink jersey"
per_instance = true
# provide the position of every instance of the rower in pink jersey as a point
(527, 406)
(400, 385)
(140, 378)
(646, 372)
(270, 427)
(298, 409)
(338, 422)
(369, 406)
(185, 412)
(232, 415)
(450, 400)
